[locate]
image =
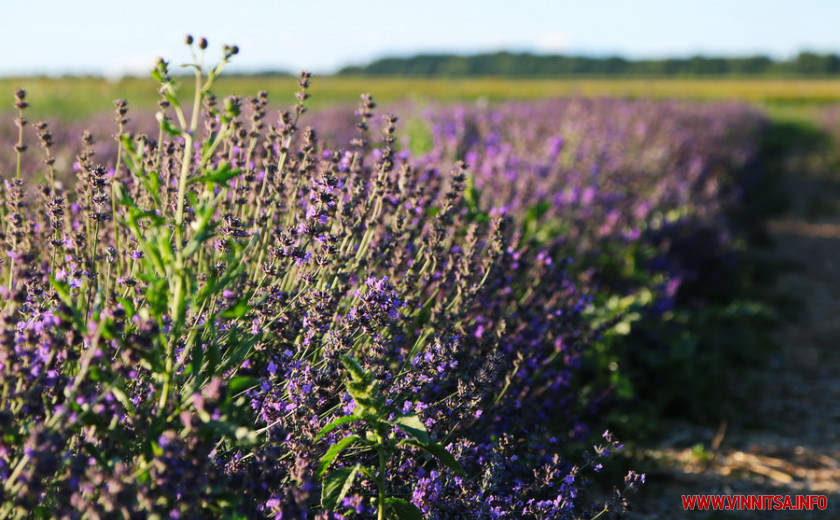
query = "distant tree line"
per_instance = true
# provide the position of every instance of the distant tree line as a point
(533, 65)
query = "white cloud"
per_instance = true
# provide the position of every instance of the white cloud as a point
(135, 65)
(553, 43)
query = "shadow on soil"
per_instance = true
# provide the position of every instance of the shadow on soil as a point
(762, 428)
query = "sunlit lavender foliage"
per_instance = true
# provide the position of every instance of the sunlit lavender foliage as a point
(227, 317)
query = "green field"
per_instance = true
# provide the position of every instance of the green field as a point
(73, 98)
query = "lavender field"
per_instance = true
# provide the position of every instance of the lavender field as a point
(223, 310)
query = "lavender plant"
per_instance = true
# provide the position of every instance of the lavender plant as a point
(179, 322)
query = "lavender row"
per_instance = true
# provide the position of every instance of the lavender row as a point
(235, 315)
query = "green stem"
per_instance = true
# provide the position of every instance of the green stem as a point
(187, 159)
(18, 177)
(94, 268)
(114, 200)
(380, 484)
(10, 483)
(19, 145)
(164, 393)
(182, 186)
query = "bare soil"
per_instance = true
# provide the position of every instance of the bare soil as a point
(790, 443)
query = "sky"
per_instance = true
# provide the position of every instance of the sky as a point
(112, 37)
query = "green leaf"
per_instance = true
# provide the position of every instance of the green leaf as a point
(121, 396)
(237, 349)
(220, 175)
(202, 225)
(167, 126)
(237, 310)
(412, 425)
(108, 329)
(537, 211)
(622, 328)
(196, 357)
(401, 509)
(95, 373)
(422, 316)
(353, 366)
(365, 395)
(347, 419)
(333, 452)
(336, 486)
(482, 217)
(62, 289)
(442, 455)
(214, 357)
(156, 449)
(164, 245)
(533, 216)
(239, 384)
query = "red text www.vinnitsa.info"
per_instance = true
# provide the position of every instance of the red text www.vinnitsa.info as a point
(754, 502)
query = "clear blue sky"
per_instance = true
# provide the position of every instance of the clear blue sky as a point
(112, 37)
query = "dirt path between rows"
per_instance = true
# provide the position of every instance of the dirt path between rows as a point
(792, 443)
